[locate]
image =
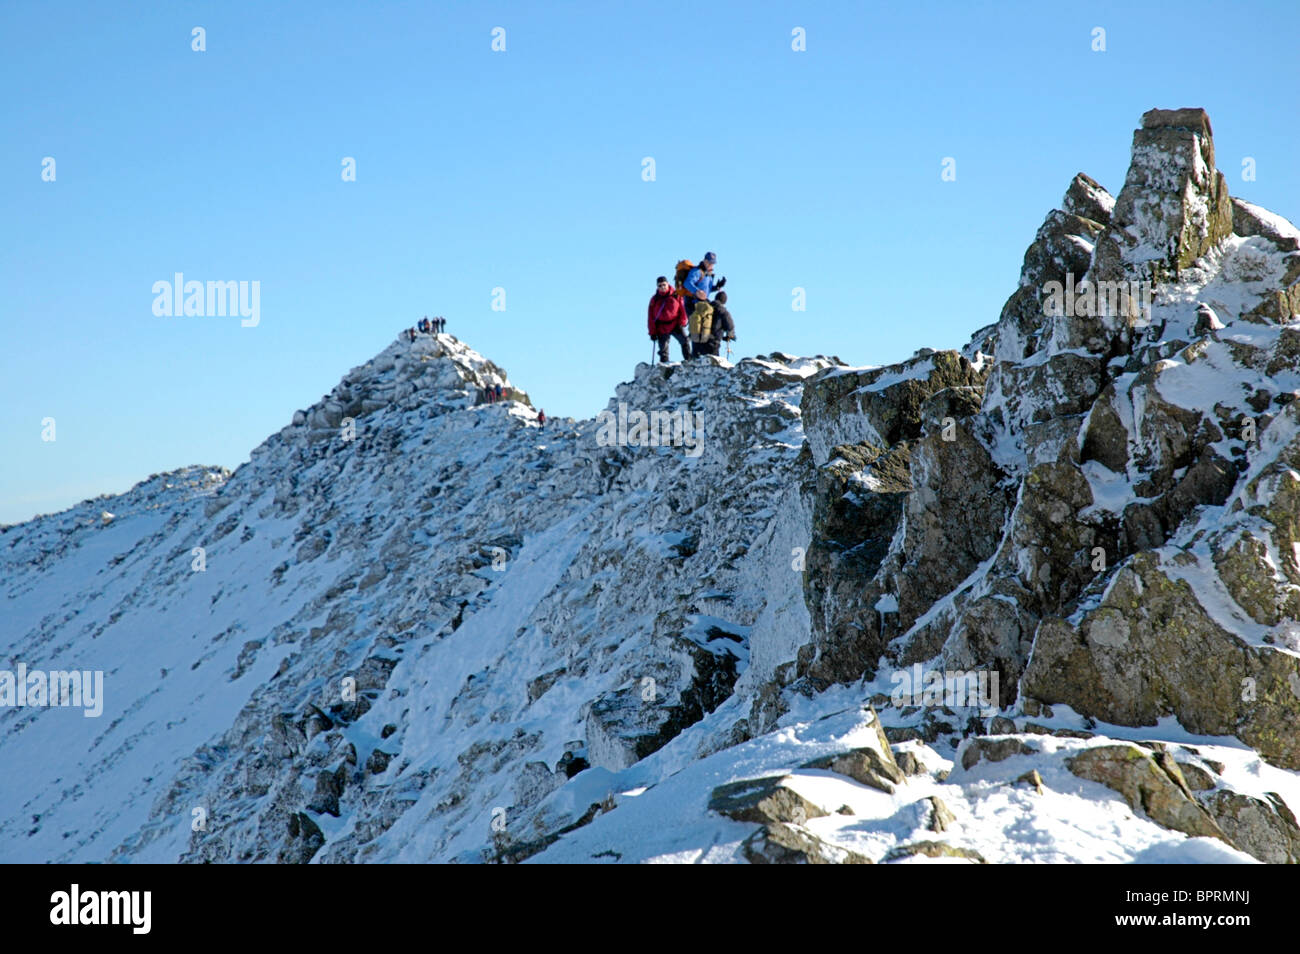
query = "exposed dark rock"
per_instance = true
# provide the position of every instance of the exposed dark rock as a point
(763, 800)
(784, 844)
(1149, 783)
(933, 849)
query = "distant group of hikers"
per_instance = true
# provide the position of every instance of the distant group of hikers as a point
(493, 393)
(685, 304)
(679, 309)
(427, 326)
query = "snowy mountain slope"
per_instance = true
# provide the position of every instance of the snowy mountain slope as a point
(496, 591)
(421, 628)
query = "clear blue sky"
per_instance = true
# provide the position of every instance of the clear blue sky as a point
(523, 169)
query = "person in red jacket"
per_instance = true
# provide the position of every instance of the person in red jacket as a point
(666, 319)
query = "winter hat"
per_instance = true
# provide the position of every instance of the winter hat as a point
(661, 280)
(710, 257)
(720, 297)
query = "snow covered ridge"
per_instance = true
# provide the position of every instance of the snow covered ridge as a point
(412, 615)
(418, 627)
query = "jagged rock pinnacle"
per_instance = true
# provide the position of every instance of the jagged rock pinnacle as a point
(1174, 205)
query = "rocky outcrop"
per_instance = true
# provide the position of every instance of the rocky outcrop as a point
(878, 406)
(873, 765)
(782, 812)
(1114, 527)
(1174, 206)
(905, 419)
(784, 844)
(1184, 797)
(933, 849)
(763, 800)
(940, 817)
(1264, 828)
(1149, 649)
(992, 750)
(1149, 783)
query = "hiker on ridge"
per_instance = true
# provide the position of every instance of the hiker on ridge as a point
(724, 327)
(697, 287)
(699, 282)
(666, 318)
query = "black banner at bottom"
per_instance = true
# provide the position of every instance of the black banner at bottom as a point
(217, 903)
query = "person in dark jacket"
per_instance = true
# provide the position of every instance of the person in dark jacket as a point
(666, 318)
(724, 327)
(498, 389)
(541, 418)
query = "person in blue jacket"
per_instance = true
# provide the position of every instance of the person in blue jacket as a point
(699, 281)
(698, 285)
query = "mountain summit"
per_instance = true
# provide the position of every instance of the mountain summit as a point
(1036, 599)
